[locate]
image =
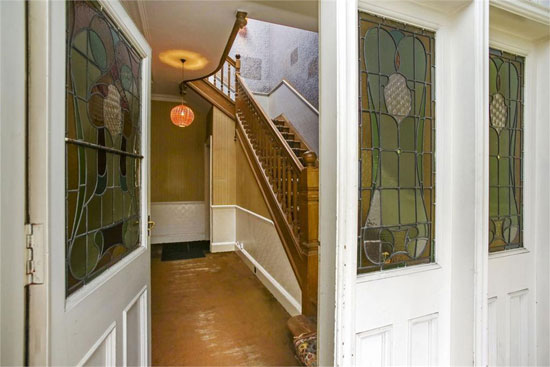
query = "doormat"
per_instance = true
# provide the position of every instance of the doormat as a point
(184, 250)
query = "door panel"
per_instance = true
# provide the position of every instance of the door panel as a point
(98, 303)
(511, 306)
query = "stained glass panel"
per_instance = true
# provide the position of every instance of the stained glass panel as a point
(505, 150)
(397, 136)
(103, 124)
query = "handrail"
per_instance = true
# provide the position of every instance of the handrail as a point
(294, 131)
(240, 22)
(298, 166)
(293, 90)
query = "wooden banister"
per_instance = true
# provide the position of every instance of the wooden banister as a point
(297, 165)
(240, 22)
(289, 185)
(293, 190)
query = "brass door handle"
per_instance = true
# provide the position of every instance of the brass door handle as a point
(150, 225)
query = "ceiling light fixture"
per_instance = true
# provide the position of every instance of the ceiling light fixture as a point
(182, 115)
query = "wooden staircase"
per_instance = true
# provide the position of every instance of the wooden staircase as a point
(286, 170)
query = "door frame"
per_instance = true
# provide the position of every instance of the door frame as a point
(12, 182)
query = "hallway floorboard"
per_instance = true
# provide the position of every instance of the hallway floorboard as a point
(213, 311)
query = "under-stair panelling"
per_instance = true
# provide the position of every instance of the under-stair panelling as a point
(223, 159)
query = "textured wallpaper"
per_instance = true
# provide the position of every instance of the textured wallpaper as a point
(272, 52)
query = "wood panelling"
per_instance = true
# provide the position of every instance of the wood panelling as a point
(223, 159)
(177, 155)
(249, 195)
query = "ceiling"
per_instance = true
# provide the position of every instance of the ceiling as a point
(203, 28)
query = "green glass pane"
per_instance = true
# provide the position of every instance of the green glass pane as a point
(493, 142)
(78, 72)
(91, 173)
(406, 130)
(407, 172)
(92, 256)
(408, 206)
(98, 51)
(80, 42)
(77, 257)
(107, 207)
(389, 169)
(94, 213)
(493, 202)
(390, 212)
(388, 132)
(117, 204)
(88, 132)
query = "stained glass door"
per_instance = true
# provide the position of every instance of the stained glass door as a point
(400, 308)
(97, 179)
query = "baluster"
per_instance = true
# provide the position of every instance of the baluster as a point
(278, 175)
(295, 202)
(283, 186)
(271, 161)
(222, 80)
(229, 80)
(289, 194)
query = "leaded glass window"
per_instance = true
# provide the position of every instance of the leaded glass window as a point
(103, 123)
(505, 150)
(397, 136)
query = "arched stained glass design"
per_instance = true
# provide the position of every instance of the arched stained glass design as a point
(397, 136)
(103, 123)
(505, 150)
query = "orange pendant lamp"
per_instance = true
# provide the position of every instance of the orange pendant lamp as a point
(182, 115)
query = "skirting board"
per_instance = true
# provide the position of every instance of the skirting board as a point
(222, 246)
(291, 305)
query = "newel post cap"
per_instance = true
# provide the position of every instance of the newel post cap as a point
(309, 158)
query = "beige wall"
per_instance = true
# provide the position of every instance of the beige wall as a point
(177, 155)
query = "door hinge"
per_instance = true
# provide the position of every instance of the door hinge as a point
(34, 253)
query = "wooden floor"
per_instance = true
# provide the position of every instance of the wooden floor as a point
(213, 311)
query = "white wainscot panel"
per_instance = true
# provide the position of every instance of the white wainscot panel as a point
(422, 348)
(492, 330)
(260, 247)
(134, 337)
(519, 329)
(223, 228)
(103, 352)
(179, 221)
(373, 347)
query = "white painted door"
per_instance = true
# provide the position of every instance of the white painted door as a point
(518, 307)
(89, 184)
(397, 310)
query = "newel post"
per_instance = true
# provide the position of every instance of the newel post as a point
(309, 230)
(237, 72)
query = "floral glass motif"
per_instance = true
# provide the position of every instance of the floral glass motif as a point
(397, 136)
(505, 150)
(103, 123)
